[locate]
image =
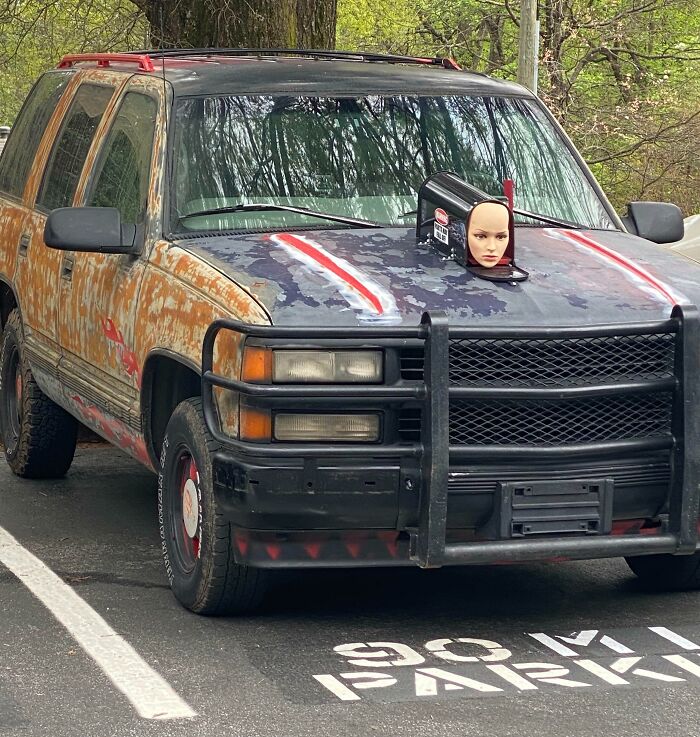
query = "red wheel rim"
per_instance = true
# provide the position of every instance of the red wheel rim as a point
(187, 518)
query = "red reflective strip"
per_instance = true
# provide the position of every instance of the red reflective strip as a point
(313, 550)
(323, 260)
(273, 550)
(626, 527)
(353, 548)
(622, 261)
(391, 542)
(242, 545)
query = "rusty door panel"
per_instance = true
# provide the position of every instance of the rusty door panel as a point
(98, 306)
(12, 219)
(36, 274)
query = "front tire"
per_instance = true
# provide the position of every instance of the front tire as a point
(196, 538)
(38, 435)
(668, 572)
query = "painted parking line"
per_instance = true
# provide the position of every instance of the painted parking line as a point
(149, 693)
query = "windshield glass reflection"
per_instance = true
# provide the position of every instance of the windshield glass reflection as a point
(365, 158)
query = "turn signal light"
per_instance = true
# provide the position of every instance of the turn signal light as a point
(255, 424)
(257, 365)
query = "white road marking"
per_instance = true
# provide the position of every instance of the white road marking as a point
(684, 663)
(150, 694)
(338, 688)
(675, 638)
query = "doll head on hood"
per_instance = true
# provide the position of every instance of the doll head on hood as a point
(490, 242)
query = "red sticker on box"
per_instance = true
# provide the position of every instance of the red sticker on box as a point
(441, 216)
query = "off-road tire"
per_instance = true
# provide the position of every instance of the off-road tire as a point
(39, 437)
(667, 572)
(205, 577)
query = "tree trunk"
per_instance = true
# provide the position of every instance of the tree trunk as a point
(241, 23)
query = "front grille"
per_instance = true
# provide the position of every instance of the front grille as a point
(551, 363)
(536, 362)
(630, 477)
(552, 422)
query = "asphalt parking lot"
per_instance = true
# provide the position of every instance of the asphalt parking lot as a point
(557, 649)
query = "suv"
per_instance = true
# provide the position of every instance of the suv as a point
(258, 274)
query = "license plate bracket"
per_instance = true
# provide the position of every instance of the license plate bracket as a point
(542, 508)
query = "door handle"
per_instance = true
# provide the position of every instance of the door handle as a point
(67, 267)
(24, 244)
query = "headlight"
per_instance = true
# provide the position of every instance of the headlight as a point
(327, 367)
(324, 428)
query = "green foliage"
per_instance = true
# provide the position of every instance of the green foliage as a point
(623, 76)
(35, 35)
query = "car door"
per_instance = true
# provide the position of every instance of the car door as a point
(98, 299)
(38, 269)
(20, 256)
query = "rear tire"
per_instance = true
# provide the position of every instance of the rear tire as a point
(38, 435)
(196, 538)
(668, 572)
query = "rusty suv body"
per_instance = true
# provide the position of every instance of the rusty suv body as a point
(427, 416)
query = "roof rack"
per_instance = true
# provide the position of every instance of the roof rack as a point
(104, 60)
(444, 62)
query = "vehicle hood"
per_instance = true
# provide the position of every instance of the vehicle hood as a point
(384, 277)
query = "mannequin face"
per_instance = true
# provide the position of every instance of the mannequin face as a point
(488, 234)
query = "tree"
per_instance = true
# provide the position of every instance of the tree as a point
(241, 23)
(35, 34)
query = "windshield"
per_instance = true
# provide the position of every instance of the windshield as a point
(366, 157)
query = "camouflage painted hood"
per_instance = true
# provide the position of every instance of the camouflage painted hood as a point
(384, 277)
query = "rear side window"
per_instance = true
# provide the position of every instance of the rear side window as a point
(22, 145)
(72, 145)
(122, 176)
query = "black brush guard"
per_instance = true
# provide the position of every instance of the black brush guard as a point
(434, 453)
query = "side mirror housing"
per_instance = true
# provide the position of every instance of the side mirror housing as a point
(91, 229)
(659, 222)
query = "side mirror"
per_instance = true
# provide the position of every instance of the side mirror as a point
(659, 222)
(92, 229)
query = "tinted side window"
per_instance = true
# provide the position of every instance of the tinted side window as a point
(27, 131)
(72, 145)
(121, 179)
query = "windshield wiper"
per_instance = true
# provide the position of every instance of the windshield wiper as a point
(546, 219)
(262, 207)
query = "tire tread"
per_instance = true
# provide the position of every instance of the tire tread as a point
(48, 434)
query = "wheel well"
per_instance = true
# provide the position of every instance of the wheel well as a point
(7, 302)
(166, 382)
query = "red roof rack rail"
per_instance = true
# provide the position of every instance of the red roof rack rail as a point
(445, 62)
(144, 61)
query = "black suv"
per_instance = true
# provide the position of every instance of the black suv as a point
(354, 310)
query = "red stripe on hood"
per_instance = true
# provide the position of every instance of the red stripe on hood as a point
(620, 260)
(326, 262)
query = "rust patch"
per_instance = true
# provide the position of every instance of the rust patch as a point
(112, 429)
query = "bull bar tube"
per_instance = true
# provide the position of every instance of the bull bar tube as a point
(428, 546)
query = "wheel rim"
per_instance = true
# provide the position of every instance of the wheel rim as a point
(187, 511)
(13, 400)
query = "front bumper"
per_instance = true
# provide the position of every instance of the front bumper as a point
(401, 501)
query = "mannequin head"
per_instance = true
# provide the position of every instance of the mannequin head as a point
(488, 233)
